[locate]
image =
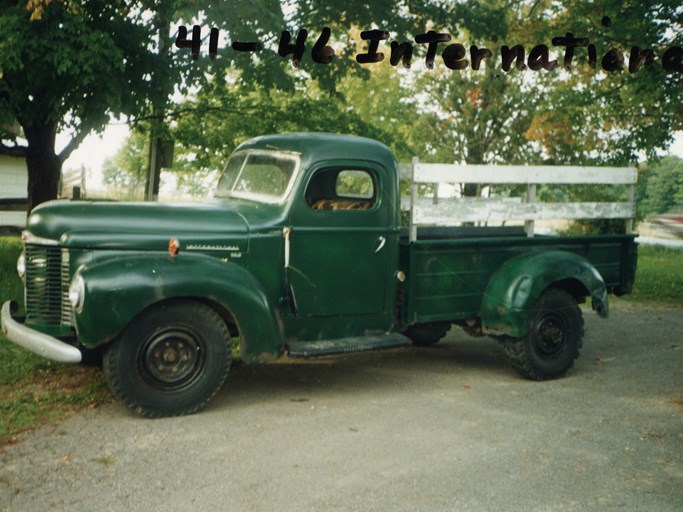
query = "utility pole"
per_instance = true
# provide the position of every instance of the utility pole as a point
(159, 101)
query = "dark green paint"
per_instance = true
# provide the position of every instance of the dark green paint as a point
(127, 285)
(343, 264)
(455, 279)
(518, 282)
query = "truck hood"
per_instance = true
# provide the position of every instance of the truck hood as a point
(148, 226)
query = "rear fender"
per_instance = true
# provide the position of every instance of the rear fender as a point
(119, 289)
(516, 285)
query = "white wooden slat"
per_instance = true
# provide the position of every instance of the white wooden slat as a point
(522, 174)
(453, 211)
(448, 214)
(450, 203)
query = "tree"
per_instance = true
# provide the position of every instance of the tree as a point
(65, 67)
(591, 115)
(660, 186)
(127, 169)
(579, 115)
(341, 95)
(476, 113)
(267, 94)
(219, 118)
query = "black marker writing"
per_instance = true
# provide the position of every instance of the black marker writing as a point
(322, 53)
(296, 50)
(182, 42)
(432, 39)
(569, 42)
(515, 53)
(374, 36)
(454, 55)
(401, 51)
(672, 60)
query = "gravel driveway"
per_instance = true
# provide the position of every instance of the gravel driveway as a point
(443, 428)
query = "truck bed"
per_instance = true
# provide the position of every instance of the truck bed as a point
(449, 268)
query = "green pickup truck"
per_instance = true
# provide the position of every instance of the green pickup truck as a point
(300, 252)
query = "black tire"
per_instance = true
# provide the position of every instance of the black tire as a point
(424, 335)
(170, 360)
(554, 339)
(92, 357)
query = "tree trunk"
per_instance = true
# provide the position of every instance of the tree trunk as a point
(160, 83)
(474, 156)
(44, 166)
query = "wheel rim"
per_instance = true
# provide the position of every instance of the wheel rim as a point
(171, 359)
(550, 336)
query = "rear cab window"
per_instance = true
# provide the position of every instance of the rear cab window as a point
(342, 190)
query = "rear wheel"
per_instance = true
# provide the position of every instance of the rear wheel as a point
(424, 335)
(554, 339)
(169, 361)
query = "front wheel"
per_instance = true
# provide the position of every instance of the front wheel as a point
(554, 339)
(170, 360)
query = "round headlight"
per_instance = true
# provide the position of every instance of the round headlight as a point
(77, 293)
(21, 265)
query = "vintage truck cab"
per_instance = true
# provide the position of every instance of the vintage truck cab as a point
(299, 252)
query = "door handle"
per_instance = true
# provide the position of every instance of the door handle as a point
(286, 234)
(382, 242)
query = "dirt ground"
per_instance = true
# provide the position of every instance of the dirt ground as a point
(444, 428)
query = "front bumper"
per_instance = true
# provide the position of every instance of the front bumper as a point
(37, 342)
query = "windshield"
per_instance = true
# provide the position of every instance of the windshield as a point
(265, 176)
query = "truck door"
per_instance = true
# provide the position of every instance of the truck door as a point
(341, 248)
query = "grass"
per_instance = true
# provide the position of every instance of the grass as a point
(35, 391)
(659, 279)
(10, 284)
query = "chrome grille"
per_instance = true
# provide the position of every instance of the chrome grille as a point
(46, 286)
(67, 310)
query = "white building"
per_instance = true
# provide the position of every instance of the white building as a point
(13, 191)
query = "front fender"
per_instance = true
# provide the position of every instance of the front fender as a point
(118, 289)
(516, 285)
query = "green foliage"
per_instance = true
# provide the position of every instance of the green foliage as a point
(590, 116)
(11, 287)
(477, 117)
(660, 186)
(64, 64)
(127, 169)
(65, 67)
(581, 116)
(69, 65)
(219, 118)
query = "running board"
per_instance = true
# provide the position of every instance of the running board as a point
(346, 345)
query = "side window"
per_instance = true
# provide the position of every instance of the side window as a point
(342, 189)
